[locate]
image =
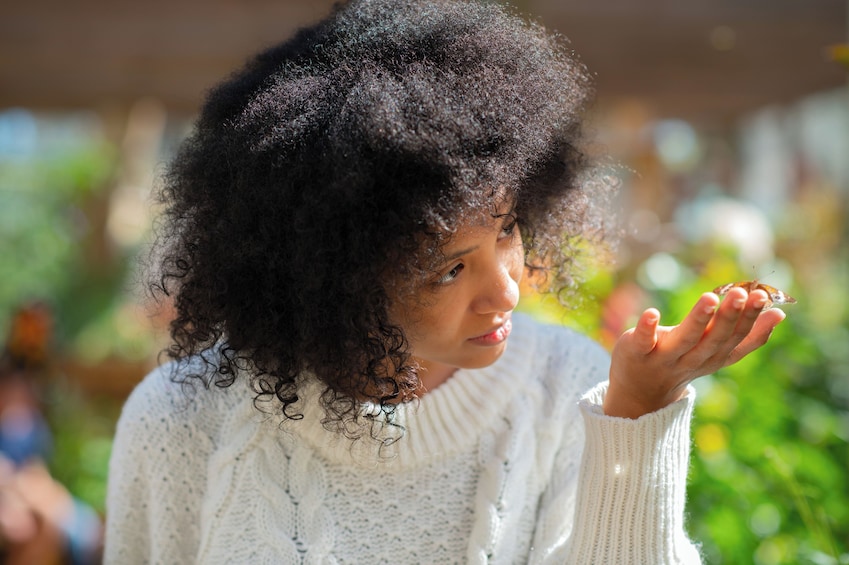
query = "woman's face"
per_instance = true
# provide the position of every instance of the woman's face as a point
(460, 318)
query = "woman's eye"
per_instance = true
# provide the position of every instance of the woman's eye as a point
(508, 228)
(450, 275)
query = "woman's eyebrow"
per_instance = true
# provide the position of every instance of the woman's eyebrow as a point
(510, 212)
(458, 254)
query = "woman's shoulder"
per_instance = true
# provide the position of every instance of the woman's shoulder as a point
(561, 355)
(182, 394)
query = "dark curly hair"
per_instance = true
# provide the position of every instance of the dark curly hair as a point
(326, 176)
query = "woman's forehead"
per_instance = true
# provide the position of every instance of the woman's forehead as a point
(481, 213)
(473, 224)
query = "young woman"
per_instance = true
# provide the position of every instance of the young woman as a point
(345, 234)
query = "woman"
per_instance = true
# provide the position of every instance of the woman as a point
(344, 238)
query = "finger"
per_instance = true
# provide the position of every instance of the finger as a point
(732, 324)
(726, 320)
(691, 330)
(754, 307)
(758, 336)
(645, 333)
(736, 319)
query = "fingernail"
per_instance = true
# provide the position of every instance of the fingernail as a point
(759, 303)
(739, 303)
(708, 310)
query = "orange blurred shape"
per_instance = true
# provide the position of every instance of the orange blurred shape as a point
(29, 335)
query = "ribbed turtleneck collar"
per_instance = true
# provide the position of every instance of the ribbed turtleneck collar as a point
(443, 422)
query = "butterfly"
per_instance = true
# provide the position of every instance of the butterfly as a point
(775, 296)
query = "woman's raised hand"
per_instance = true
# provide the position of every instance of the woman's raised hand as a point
(652, 365)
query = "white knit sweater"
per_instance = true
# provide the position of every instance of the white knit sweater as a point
(489, 470)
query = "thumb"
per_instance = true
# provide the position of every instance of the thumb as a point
(645, 334)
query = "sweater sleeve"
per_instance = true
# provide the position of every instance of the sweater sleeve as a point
(154, 483)
(630, 493)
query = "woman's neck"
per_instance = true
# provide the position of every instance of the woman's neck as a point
(431, 375)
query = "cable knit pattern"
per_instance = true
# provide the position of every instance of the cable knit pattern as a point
(491, 469)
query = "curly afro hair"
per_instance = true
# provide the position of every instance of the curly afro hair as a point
(328, 173)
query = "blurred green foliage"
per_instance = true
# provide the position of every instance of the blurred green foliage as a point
(82, 429)
(49, 253)
(43, 232)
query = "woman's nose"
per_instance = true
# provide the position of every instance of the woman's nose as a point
(499, 292)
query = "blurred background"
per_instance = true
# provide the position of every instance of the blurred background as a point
(727, 123)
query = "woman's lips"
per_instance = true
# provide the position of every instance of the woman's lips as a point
(496, 336)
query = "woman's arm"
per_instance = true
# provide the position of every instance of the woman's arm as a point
(628, 499)
(626, 505)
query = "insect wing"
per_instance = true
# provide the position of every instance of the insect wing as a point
(722, 290)
(777, 296)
